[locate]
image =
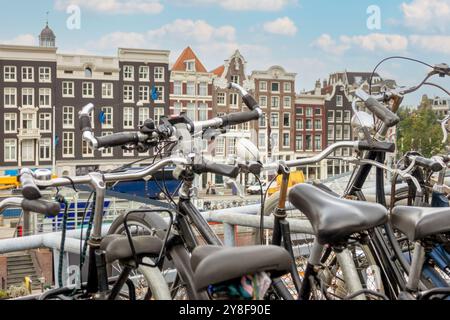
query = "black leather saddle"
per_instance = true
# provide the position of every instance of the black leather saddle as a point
(214, 264)
(418, 223)
(117, 247)
(334, 219)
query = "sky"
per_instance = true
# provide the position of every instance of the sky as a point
(312, 38)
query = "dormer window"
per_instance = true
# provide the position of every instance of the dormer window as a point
(190, 65)
(88, 73)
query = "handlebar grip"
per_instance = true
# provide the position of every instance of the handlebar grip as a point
(30, 190)
(40, 206)
(217, 168)
(250, 102)
(85, 123)
(376, 146)
(117, 139)
(382, 113)
(240, 117)
(427, 163)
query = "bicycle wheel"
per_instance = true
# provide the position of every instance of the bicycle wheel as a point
(149, 282)
(331, 279)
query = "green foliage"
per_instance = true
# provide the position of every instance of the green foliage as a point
(419, 131)
(3, 294)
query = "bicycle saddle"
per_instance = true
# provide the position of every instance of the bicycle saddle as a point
(418, 223)
(214, 264)
(117, 247)
(334, 219)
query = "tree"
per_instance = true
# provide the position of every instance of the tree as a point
(420, 131)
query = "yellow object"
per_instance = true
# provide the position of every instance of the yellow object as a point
(28, 282)
(295, 177)
(7, 183)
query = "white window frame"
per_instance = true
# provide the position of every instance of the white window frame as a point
(144, 93)
(128, 118)
(289, 140)
(88, 90)
(144, 114)
(178, 88)
(339, 100)
(191, 88)
(316, 147)
(10, 150)
(234, 100)
(45, 74)
(275, 102)
(28, 92)
(10, 73)
(68, 117)
(27, 74)
(46, 118)
(203, 89)
(47, 144)
(68, 144)
(287, 102)
(289, 117)
(109, 117)
(10, 92)
(144, 73)
(107, 90)
(86, 150)
(45, 92)
(158, 113)
(287, 87)
(10, 118)
(190, 65)
(263, 101)
(159, 74)
(274, 124)
(299, 137)
(221, 99)
(263, 86)
(68, 89)
(128, 93)
(128, 73)
(161, 94)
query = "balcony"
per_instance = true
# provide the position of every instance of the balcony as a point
(29, 133)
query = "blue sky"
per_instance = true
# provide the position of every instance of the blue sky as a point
(309, 37)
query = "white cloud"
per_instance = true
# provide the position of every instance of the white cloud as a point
(427, 14)
(370, 42)
(114, 6)
(326, 43)
(23, 40)
(241, 5)
(433, 43)
(282, 26)
(377, 41)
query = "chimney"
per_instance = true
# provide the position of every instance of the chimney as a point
(318, 90)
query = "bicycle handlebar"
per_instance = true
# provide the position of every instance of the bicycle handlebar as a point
(380, 111)
(38, 206)
(29, 189)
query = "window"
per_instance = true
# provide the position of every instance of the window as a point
(330, 116)
(317, 112)
(9, 73)
(10, 96)
(234, 100)
(318, 124)
(28, 121)
(263, 101)
(287, 102)
(177, 88)
(300, 111)
(203, 89)
(220, 146)
(235, 79)
(27, 74)
(339, 132)
(160, 91)
(27, 97)
(68, 117)
(45, 149)
(275, 102)
(128, 153)
(347, 116)
(177, 108)
(308, 142)
(262, 141)
(309, 124)
(274, 120)
(190, 88)
(144, 73)
(144, 93)
(309, 112)
(10, 123)
(190, 65)
(275, 140)
(128, 118)
(286, 119)
(299, 143)
(108, 120)
(263, 86)
(144, 114)
(299, 124)
(158, 114)
(275, 87)
(88, 73)
(88, 89)
(128, 94)
(109, 151)
(159, 73)
(346, 132)
(221, 99)
(68, 144)
(318, 142)
(128, 73)
(287, 87)
(45, 98)
(68, 89)
(10, 150)
(262, 121)
(330, 132)
(339, 116)
(231, 146)
(86, 149)
(45, 122)
(202, 112)
(191, 111)
(107, 90)
(339, 101)
(286, 140)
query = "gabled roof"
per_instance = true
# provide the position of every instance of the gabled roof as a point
(358, 78)
(188, 54)
(219, 70)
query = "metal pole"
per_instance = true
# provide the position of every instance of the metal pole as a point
(229, 235)
(351, 276)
